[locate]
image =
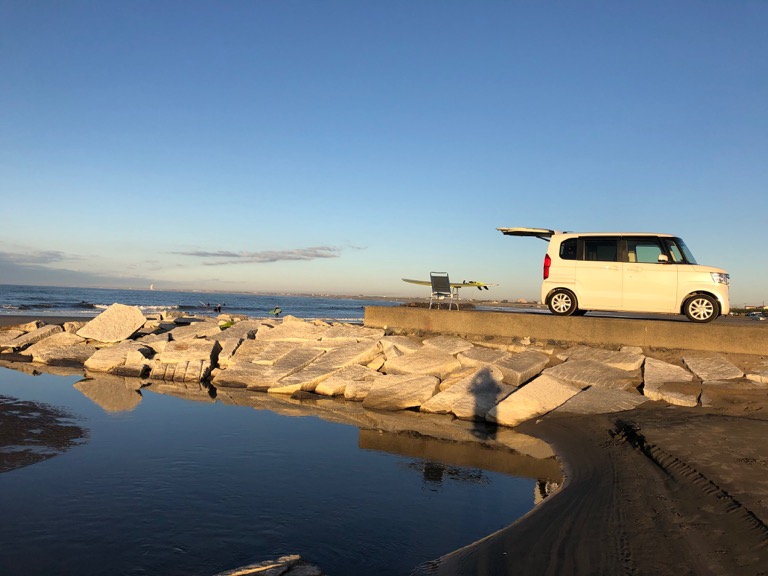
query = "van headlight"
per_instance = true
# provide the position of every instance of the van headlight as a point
(720, 278)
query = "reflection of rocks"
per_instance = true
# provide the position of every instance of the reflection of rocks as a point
(195, 391)
(32, 432)
(112, 393)
(284, 566)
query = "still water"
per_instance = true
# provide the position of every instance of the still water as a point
(167, 485)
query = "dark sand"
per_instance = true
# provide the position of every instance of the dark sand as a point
(659, 490)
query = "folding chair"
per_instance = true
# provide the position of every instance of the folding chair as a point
(441, 289)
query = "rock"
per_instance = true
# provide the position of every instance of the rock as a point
(596, 400)
(759, 374)
(399, 345)
(339, 333)
(400, 392)
(262, 351)
(336, 384)
(586, 373)
(677, 393)
(293, 330)
(478, 356)
(426, 361)
(27, 339)
(73, 327)
(713, 367)
(448, 344)
(9, 334)
(186, 350)
(61, 349)
(627, 361)
(229, 347)
(111, 393)
(30, 326)
(117, 323)
(472, 397)
(263, 376)
(188, 360)
(657, 372)
(326, 366)
(196, 330)
(518, 368)
(243, 330)
(538, 397)
(357, 390)
(115, 359)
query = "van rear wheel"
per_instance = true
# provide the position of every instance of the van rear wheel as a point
(562, 303)
(701, 308)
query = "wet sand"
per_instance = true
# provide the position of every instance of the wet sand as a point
(658, 490)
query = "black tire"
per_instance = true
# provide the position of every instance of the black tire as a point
(562, 303)
(701, 308)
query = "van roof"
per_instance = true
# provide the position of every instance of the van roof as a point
(545, 233)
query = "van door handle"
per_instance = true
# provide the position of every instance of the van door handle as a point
(635, 269)
(611, 267)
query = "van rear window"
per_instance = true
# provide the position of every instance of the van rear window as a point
(568, 249)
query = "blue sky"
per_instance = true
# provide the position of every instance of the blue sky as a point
(339, 146)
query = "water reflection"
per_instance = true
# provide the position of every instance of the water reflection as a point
(192, 480)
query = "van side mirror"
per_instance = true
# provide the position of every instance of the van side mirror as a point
(663, 259)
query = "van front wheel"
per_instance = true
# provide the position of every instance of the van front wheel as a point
(562, 303)
(701, 308)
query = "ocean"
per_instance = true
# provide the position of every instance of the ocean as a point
(88, 302)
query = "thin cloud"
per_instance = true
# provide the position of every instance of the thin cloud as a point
(265, 256)
(37, 258)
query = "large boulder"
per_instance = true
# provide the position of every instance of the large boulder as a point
(472, 397)
(712, 367)
(293, 330)
(480, 356)
(61, 349)
(626, 359)
(536, 398)
(585, 373)
(117, 323)
(400, 392)
(262, 377)
(518, 368)
(596, 400)
(127, 358)
(448, 344)
(336, 384)
(329, 364)
(28, 338)
(427, 361)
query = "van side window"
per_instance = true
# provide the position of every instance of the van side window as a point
(644, 250)
(601, 249)
(568, 249)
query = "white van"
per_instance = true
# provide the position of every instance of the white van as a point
(627, 272)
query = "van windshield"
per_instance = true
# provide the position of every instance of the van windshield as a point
(679, 251)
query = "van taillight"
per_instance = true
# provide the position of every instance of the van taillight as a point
(547, 264)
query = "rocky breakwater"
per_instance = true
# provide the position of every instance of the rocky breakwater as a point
(501, 383)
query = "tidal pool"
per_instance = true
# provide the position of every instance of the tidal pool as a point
(186, 481)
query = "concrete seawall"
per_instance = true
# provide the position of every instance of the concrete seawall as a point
(719, 336)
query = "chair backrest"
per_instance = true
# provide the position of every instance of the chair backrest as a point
(440, 282)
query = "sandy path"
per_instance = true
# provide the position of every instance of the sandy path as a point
(652, 491)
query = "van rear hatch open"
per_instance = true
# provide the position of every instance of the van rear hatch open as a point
(543, 233)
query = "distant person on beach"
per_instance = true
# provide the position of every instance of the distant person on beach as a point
(277, 311)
